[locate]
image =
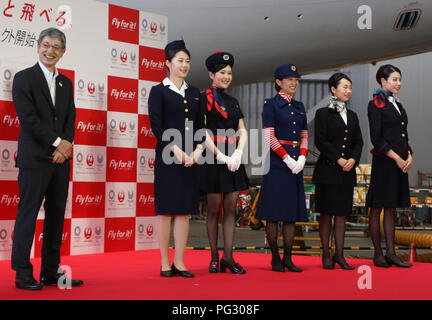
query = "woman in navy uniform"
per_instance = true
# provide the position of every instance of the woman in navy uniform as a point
(338, 138)
(391, 161)
(282, 195)
(175, 105)
(225, 176)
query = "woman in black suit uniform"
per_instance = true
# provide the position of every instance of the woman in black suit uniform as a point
(339, 140)
(175, 109)
(225, 176)
(391, 161)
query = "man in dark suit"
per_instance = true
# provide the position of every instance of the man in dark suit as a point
(44, 102)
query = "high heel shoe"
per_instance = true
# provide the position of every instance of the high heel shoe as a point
(235, 268)
(290, 266)
(167, 273)
(214, 266)
(381, 264)
(328, 266)
(397, 262)
(343, 264)
(181, 273)
(277, 266)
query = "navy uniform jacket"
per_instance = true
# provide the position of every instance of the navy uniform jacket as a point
(176, 187)
(168, 110)
(388, 129)
(288, 119)
(282, 194)
(335, 139)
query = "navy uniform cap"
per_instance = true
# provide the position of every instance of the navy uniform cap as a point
(219, 57)
(286, 71)
(175, 45)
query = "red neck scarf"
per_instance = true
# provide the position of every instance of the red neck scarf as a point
(213, 99)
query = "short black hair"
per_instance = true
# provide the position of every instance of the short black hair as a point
(334, 80)
(385, 71)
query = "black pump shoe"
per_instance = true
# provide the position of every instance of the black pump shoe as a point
(214, 266)
(277, 266)
(328, 266)
(343, 264)
(235, 268)
(397, 262)
(290, 266)
(167, 273)
(181, 273)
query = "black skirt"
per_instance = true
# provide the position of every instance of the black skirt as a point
(216, 178)
(334, 199)
(175, 188)
(389, 186)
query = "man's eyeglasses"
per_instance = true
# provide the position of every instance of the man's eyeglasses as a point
(46, 46)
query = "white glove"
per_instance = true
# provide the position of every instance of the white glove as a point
(237, 157)
(220, 157)
(300, 165)
(290, 162)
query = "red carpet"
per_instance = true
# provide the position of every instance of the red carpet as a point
(135, 275)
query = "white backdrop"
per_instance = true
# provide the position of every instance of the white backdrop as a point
(114, 55)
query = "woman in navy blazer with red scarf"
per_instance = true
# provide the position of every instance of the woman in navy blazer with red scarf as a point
(392, 159)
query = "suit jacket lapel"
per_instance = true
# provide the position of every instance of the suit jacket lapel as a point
(59, 92)
(43, 84)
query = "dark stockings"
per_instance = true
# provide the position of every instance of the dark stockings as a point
(229, 208)
(325, 226)
(288, 230)
(389, 232)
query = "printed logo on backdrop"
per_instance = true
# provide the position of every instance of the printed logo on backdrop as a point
(145, 169)
(8, 154)
(6, 232)
(145, 200)
(90, 92)
(120, 199)
(122, 94)
(146, 233)
(7, 73)
(9, 122)
(144, 92)
(124, 60)
(152, 64)
(123, 24)
(119, 234)
(89, 163)
(88, 200)
(153, 30)
(9, 199)
(123, 130)
(31, 15)
(90, 127)
(146, 138)
(121, 164)
(66, 237)
(87, 236)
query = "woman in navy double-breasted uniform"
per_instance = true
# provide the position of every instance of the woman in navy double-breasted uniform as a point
(225, 176)
(391, 161)
(175, 111)
(339, 139)
(282, 196)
